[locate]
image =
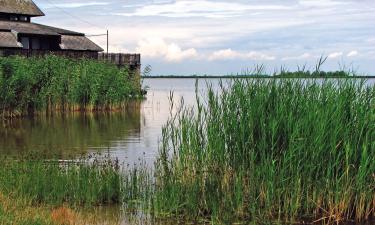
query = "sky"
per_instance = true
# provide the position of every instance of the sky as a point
(218, 37)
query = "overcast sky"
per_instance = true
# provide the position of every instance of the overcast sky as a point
(221, 37)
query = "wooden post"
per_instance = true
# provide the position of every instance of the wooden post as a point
(107, 41)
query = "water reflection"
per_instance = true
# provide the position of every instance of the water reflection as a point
(69, 135)
(132, 135)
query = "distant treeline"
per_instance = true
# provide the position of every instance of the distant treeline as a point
(29, 85)
(284, 74)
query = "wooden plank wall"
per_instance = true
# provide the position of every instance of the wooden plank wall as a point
(38, 53)
(120, 59)
(133, 61)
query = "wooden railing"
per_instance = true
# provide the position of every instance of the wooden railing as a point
(120, 59)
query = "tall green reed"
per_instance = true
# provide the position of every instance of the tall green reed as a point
(49, 83)
(282, 150)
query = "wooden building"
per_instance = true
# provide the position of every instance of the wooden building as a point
(20, 36)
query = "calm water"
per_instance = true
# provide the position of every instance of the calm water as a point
(130, 135)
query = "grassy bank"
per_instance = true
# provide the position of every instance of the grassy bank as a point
(49, 192)
(52, 182)
(36, 191)
(55, 83)
(259, 150)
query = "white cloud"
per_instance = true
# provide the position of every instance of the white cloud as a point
(76, 4)
(352, 53)
(334, 55)
(201, 8)
(300, 57)
(320, 3)
(229, 54)
(158, 48)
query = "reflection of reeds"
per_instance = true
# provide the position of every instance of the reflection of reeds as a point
(69, 134)
(274, 150)
(51, 83)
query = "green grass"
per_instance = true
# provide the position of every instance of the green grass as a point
(52, 182)
(278, 150)
(29, 85)
(37, 191)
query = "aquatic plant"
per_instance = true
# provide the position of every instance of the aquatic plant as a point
(54, 182)
(29, 85)
(274, 150)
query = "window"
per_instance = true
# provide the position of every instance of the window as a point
(25, 42)
(13, 18)
(35, 43)
(24, 18)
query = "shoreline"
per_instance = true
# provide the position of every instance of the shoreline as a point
(251, 77)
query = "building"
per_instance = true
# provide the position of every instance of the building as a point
(18, 35)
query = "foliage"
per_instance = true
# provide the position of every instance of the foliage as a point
(262, 150)
(29, 85)
(51, 182)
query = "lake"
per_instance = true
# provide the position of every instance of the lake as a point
(132, 135)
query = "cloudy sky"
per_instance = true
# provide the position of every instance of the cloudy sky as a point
(223, 37)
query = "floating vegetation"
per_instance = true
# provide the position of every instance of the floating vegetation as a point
(51, 83)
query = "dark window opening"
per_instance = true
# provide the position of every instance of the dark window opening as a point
(14, 18)
(24, 18)
(35, 43)
(25, 42)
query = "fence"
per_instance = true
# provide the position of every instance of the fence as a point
(131, 60)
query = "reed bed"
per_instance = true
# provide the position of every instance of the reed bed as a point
(271, 150)
(50, 83)
(77, 183)
(254, 151)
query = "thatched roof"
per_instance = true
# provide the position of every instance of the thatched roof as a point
(78, 43)
(23, 7)
(70, 40)
(34, 28)
(8, 40)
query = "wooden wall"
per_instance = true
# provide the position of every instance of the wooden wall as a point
(36, 53)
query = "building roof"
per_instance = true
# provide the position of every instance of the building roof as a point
(70, 40)
(23, 7)
(34, 28)
(9, 40)
(78, 43)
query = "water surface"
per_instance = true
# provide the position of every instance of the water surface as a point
(131, 135)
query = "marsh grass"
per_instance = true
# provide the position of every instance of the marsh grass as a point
(78, 183)
(254, 151)
(271, 150)
(51, 83)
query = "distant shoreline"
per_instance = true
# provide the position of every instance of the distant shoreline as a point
(258, 77)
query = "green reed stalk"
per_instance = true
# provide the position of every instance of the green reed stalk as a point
(283, 150)
(30, 85)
